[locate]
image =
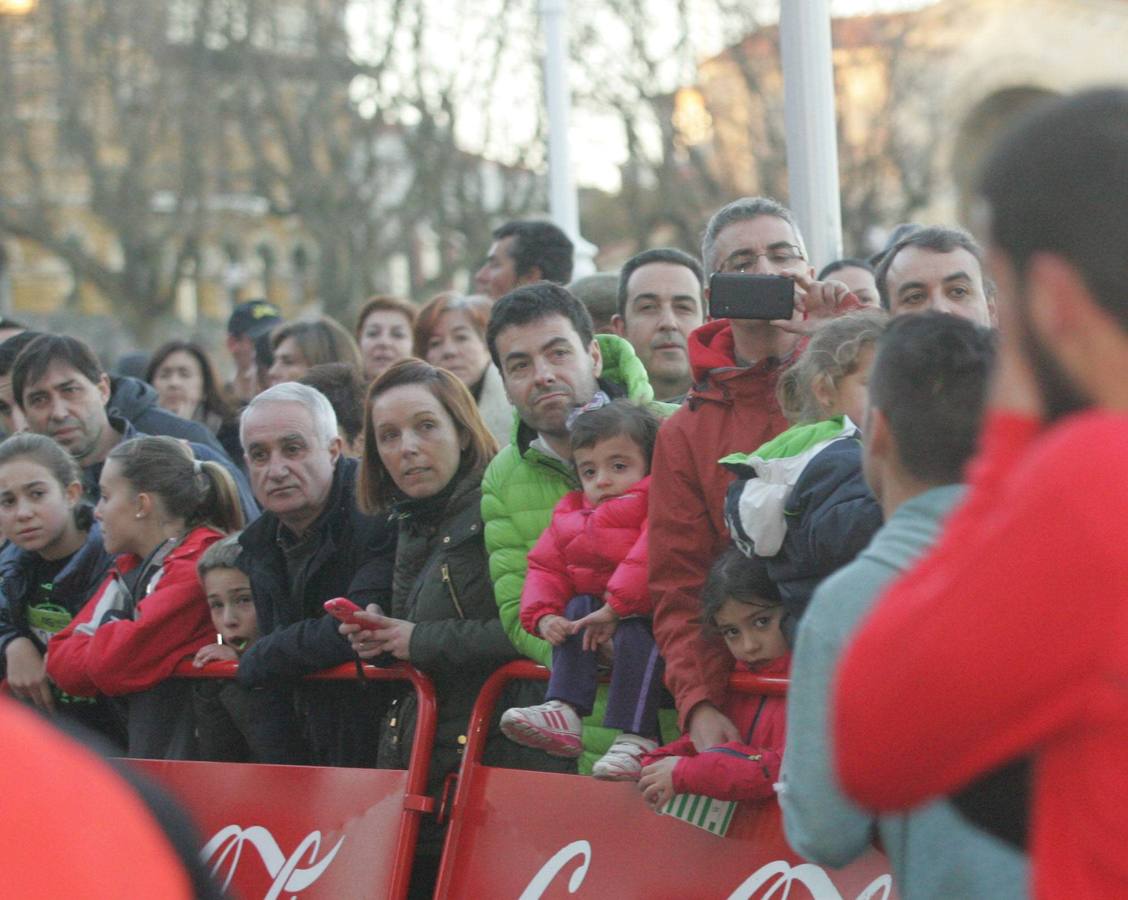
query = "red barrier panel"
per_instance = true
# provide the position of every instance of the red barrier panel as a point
(279, 831)
(529, 835)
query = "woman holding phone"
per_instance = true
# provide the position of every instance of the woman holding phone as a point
(425, 449)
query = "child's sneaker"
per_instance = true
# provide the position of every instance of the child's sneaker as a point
(623, 762)
(553, 727)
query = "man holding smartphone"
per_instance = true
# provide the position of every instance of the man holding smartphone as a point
(731, 407)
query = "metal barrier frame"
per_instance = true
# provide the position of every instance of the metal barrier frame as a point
(478, 732)
(416, 801)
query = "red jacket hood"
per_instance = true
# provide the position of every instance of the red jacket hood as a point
(711, 347)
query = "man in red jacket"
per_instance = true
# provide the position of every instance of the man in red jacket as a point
(1010, 639)
(732, 407)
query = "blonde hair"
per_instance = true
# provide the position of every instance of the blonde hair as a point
(831, 355)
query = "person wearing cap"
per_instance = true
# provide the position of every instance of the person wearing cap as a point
(249, 320)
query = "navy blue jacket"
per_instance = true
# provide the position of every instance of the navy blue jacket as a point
(136, 402)
(831, 516)
(73, 586)
(202, 452)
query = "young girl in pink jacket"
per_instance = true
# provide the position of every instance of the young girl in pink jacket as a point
(587, 587)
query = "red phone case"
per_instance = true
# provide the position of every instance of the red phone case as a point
(343, 610)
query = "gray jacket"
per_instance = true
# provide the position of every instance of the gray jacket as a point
(935, 853)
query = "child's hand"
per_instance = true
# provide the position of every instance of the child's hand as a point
(600, 626)
(27, 674)
(210, 653)
(657, 781)
(554, 629)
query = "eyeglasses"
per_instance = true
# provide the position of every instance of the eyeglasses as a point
(782, 255)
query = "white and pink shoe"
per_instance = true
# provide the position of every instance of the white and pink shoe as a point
(553, 727)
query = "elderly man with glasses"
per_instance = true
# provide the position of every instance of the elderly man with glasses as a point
(732, 407)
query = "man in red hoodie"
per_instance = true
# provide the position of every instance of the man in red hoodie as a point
(1010, 639)
(731, 407)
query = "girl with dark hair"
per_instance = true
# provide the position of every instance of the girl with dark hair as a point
(186, 383)
(740, 602)
(59, 564)
(160, 509)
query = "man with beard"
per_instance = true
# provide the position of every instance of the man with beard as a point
(1009, 638)
(541, 340)
(659, 305)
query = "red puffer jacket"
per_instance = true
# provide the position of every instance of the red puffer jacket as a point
(740, 770)
(126, 655)
(599, 550)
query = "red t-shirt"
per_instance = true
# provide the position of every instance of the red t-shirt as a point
(1011, 639)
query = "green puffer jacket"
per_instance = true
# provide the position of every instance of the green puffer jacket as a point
(519, 491)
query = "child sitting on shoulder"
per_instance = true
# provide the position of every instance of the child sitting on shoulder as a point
(586, 586)
(801, 501)
(741, 602)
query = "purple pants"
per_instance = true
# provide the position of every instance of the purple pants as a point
(636, 676)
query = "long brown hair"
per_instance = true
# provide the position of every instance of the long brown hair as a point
(201, 492)
(376, 489)
(321, 340)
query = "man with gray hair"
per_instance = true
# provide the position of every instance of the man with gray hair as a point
(311, 544)
(731, 407)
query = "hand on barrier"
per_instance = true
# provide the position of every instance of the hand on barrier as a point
(27, 674)
(598, 626)
(554, 629)
(657, 781)
(210, 653)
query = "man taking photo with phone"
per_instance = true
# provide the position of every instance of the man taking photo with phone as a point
(732, 407)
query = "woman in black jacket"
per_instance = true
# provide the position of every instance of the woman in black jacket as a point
(425, 448)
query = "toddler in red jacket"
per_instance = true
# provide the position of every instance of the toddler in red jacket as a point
(586, 587)
(742, 603)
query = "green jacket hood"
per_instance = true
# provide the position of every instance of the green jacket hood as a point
(621, 367)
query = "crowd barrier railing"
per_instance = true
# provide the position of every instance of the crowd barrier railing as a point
(308, 831)
(529, 835)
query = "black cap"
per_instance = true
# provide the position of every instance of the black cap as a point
(252, 318)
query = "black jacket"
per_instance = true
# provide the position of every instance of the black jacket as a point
(136, 402)
(354, 559)
(73, 586)
(203, 452)
(338, 722)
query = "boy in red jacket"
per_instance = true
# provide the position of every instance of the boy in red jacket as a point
(586, 586)
(741, 603)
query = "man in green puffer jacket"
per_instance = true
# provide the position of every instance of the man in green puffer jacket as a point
(540, 338)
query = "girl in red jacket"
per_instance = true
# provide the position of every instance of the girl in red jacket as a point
(586, 587)
(159, 509)
(743, 604)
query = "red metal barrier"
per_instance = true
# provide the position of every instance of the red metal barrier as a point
(318, 832)
(531, 834)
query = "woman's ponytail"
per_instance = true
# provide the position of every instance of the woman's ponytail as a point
(199, 492)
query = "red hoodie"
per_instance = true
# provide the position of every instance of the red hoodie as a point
(1010, 639)
(739, 770)
(729, 410)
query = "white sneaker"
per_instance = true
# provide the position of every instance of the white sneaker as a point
(553, 727)
(623, 762)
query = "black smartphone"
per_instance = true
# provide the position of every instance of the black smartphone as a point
(735, 295)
